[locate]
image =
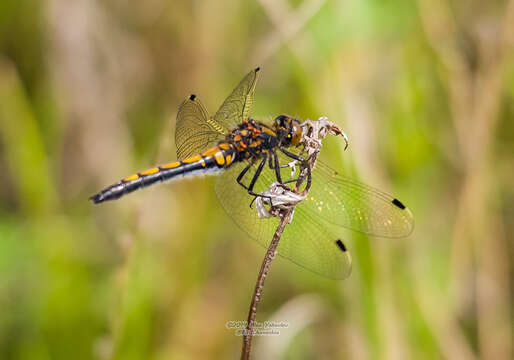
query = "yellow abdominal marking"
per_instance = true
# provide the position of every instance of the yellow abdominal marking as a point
(149, 171)
(224, 146)
(131, 178)
(171, 165)
(220, 159)
(192, 159)
(228, 159)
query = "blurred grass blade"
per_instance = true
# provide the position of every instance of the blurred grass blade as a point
(23, 146)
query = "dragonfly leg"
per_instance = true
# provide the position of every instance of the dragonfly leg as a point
(254, 180)
(256, 176)
(291, 181)
(242, 174)
(300, 178)
(277, 167)
(270, 162)
(291, 155)
(249, 189)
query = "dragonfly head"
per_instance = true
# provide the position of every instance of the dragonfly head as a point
(289, 131)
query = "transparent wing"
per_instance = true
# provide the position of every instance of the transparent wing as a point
(339, 200)
(306, 241)
(195, 130)
(238, 104)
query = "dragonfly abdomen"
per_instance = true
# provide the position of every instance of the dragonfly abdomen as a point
(214, 159)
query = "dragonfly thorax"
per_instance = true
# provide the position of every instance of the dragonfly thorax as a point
(252, 138)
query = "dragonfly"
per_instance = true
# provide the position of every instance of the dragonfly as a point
(247, 156)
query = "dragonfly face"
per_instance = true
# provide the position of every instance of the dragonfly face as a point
(249, 156)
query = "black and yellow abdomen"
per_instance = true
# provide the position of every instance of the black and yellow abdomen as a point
(214, 159)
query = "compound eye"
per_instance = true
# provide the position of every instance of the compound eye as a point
(281, 120)
(297, 135)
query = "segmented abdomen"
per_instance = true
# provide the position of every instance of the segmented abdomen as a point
(216, 158)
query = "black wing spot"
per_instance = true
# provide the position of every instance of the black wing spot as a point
(192, 97)
(398, 203)
(340, 245)
(257, 69)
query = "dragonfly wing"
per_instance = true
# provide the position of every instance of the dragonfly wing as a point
(238, 104)
(339, 200)
(306, 241)
(195, 130)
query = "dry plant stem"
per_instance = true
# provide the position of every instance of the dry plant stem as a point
(314, 131)
(285, 216)
(270, 255)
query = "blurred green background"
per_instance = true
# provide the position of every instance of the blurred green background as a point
(88, 94)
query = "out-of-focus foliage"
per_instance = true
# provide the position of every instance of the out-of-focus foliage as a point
(88, 94)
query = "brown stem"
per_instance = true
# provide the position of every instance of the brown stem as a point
(266, 263)
(285, 215)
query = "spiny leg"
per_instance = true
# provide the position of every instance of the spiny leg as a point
(292, 165)
(243, 173)
(249, 189)
(291, 181)
(256, 176)
(300, 178)
(291, 155)
(254, 180)
(277, 167)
